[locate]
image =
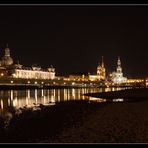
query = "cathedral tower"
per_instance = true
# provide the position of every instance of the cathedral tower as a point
(101, 72)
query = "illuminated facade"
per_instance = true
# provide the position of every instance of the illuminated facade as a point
(101, 72)
(117, 77)
(79, 77)
(34, 73)
(93, 77)
(7, 67)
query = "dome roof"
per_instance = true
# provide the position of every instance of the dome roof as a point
(6, 61)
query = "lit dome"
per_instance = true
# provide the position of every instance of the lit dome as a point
(6, 59)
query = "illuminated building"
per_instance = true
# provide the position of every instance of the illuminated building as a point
(135, 80)
(78, 77)
(6, 59)
(117, 77)
(93, 77)
(7, 67)
(101, 72)
(33, 73)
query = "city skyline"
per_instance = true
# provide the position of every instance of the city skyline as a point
(74, 38)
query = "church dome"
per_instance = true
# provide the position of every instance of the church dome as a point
(6, 59)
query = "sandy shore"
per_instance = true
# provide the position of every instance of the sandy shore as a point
(112, 123)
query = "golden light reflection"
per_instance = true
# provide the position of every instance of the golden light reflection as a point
(52, 96)
(15, 102)
(28, 93)
(78, 94)
(2, 104)
(97, 99)
(68, 94)
(65, 94)
(27, 101)
(42, 93)
(9, 102)
(36, 96)
(11, 94)
(73, 94)
(118, 100)
(21, 98)
(44, 99)
(58, 95)
(82, 92)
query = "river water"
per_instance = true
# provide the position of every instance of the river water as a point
(24, 99)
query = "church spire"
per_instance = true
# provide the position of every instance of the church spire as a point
(18, 62)
(119, 68)
(102, 62)
(7, 45)
(119, 62)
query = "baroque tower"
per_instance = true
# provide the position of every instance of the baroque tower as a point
(6, 59)
(119, 68)
(117, 77)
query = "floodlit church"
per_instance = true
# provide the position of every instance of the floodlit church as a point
(117, 77)
(101, 73)
(7, 67)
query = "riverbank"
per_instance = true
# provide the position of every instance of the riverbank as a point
(139, 93)
(46, 123)
(79, 122)
(112, 123)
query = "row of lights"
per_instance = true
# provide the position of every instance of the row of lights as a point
(73, 83)
(29, 82)
(134, 81)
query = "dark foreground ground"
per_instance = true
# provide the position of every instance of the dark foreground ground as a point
(81, 122)
(47, 123)
(113, 123)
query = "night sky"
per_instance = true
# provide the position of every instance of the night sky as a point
(73, 38)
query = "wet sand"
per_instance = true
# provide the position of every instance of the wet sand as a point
(113, 123)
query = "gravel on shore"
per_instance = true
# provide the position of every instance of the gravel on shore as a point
(125, 122)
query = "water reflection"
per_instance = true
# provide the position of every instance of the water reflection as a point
(30, 98)
(118, 100)
(2, 106)
(97, 99)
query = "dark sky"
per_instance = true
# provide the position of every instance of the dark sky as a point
(73, 38)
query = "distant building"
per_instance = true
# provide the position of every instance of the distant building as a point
(117, 77)
(7, 67)
(33, 73)
(6, 59)
(101, 71)
(93, 77)
(79, 77)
